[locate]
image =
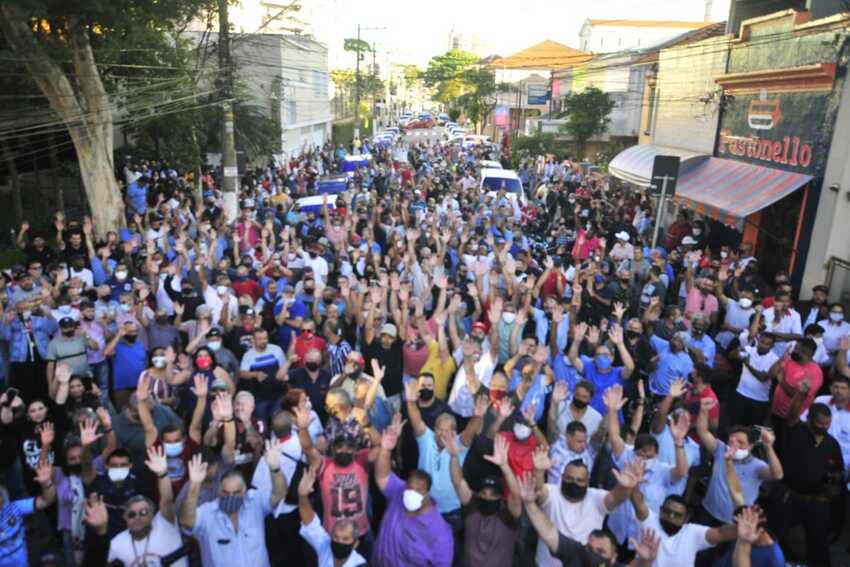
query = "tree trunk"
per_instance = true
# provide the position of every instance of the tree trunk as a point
(54, 174)
(85, 110)
(14, 182)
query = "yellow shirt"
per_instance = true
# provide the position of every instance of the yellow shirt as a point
(442, 370)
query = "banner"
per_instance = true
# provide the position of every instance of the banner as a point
(538, 94)
(501, 116)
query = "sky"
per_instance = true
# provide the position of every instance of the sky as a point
(415, 31)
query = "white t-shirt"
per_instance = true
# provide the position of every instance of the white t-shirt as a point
(573, 519)
(681, 549)
(749, 386)
(164, 538)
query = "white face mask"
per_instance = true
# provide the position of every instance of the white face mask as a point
(214, 346)
(412, 500)
(724, 254)
(697, 231)
(745, 302)
(118, 474)
(836, 317)
(508, 317)
(159, 361)
(521, 431)
(740, 454)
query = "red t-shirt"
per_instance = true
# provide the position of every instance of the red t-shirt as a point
(248, 287)
(795, 373)
(693, 400)
(520, 453)
(550, 286)
(302, 345)
(345, 490)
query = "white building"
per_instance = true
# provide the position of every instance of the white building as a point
(607, 36)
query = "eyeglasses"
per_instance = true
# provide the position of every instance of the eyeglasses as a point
(143, 513)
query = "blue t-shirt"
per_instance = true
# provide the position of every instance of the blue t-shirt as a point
(285, 332)
(670, 367)
(602, 381)
(717, 501)
(128, 364)
(765, 556)
(13, 545)
(137, 194)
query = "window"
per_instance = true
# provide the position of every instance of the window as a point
(291, 112)
(651, 104)
(320, 84)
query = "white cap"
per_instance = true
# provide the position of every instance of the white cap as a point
(622, 235)
(688, 240)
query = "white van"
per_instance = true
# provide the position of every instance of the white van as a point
(494, 179)
(490, 164)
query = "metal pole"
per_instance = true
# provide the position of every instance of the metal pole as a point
(357, 87)
(228, 143)
(660, 213)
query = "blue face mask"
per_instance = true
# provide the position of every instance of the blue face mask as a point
(230, 504)
(603, 362)
(173, 449)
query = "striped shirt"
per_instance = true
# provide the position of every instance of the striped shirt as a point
(337, 355)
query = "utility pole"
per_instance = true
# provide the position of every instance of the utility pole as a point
(374, 79)
(357, 89)
(229, 170)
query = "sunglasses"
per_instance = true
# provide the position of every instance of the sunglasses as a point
(143, 513)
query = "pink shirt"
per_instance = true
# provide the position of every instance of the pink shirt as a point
(583, 246)
(699, 303)
(344, 491)
(795, 373)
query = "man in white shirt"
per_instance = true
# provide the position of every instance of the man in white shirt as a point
(751, 402)
(149, 537)
(477, 369)
(680, 540)
(783, 322)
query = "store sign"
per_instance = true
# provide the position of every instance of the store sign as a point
(538, 94)
(501, 116)
(783, 130)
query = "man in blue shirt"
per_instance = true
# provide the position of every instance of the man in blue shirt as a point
(13, 546)
(600, 369)
(671, 362)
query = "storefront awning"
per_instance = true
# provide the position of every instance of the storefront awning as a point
(635, 164)
(729, 190)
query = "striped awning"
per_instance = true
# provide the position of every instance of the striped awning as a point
(635, 164)
(729, 190)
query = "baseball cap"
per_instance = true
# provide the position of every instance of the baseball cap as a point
(622, 235)
(214, 333)
(688, 240)
(324, 241)
(246, 310)
(218, 384)
(67, 322)
(389, 329)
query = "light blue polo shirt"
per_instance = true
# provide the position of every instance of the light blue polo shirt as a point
(717, 501)
(670, 366)
(437, 463)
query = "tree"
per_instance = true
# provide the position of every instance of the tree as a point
(445, 74)
(412, 75)
(479, 100)
(587, 116)
(56, 40)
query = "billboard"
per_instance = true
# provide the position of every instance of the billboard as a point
(501, 116)
(538, 94)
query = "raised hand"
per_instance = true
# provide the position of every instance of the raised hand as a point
(680, 426)
(302, 418)
(560, 391)
(63, 373)
(46, 434)
(527, 489)
(768, 437)
(143, 388)
(631, 475)
(273, 453)
(481, 405)
(95, 514)
(88, 432)
(197, 469)
(541, 459)
(647, 546)
(678, 387)
(378, 371)
(500, 452)
(619, 310)
(615, 333)
(613, 398)
(450, 443)
(308, 481)
(411, 391)
(506, 408)
(593, 335)
(747, 522)
(222, 407)
(201, 386)
(156, 460)
(392, 433)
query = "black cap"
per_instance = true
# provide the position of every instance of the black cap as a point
(67, 322)
(246, 310)
(344, 439)
(822, 288)
(214, 332)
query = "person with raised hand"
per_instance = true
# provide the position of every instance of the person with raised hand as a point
(337, 549)
(156, 533)
(231, 529)
(412, 531)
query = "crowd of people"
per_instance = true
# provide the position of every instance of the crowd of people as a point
(415, 373)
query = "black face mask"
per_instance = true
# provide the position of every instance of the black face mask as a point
(819, 431)
(343, 459)
(669, 527)
(68, 332)
(579, 404)
(572, 490)
(489, 507)
(341, 550)
(426, 394)
(632, 335)
(73, 469)
(162, 320)
(311, 366)
(130, 338)
(795, 356)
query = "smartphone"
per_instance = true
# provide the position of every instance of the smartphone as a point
(11, 394)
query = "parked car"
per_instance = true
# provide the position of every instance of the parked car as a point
(420, 123)
(442, 118)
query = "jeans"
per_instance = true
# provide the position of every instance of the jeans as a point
(100, 375)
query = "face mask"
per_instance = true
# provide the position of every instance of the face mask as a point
(603, 362)
(118, 474)
(488, 507)
(697, 231)
(521, 431)
(173, 449)
(426, 394)
(836, 317)
(632, 335)
(203, 363)
(130, 338)
(68, 332)
(745, 302)
(508, 317)
(573, 490)
(230, 504)
(120, 276)
(740, 454)
(341, 550)
(669, 527)
(412, 500)
(214, 346)
(343, 459)
(650, 463)
(311, 366)
(125, 308)
(497, 395)
(73, 469)
(795, 356)
(579, 404)
(159, 362)
(162, 320)
(724, 255)
(819, 431)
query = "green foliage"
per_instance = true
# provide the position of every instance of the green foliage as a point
(412, 74)
(479, 100)
(534, 145)
(445, 74)
(358, 45)
(454, 114)
(587, 114)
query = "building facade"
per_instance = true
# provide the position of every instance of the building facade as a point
(609, 36)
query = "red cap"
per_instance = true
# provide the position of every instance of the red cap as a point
(479, 325)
